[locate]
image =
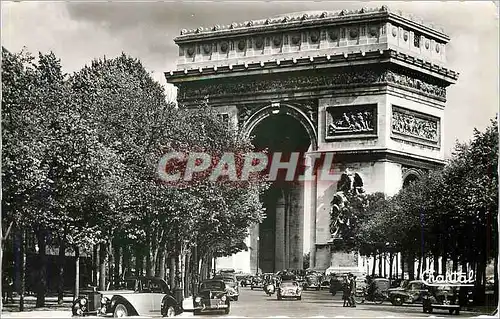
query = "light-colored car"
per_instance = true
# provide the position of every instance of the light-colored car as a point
(232, 285)
(137, 296)
(289, 289)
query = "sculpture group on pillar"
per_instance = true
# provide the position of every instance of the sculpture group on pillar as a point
(349, 184)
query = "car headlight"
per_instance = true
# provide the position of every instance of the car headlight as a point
(83, 301)
(223, 298)
(197, 299)
(104, 300)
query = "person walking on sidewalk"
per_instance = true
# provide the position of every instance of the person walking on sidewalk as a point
(352, 290)
(346, 291)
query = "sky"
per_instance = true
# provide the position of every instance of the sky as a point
(78, 32)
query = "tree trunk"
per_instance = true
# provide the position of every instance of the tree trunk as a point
(95, 267)
(125, 261)
(62, 259)
(455, 262)
(391, 263)
(411, 266)
(163, 257)
(111, 264)
(77, 272)
(374, 264)
(436, 262)
(42, 263)
(102, 266)
(380, 264)
(172, 271)
(443, 264)
(402, 260)
(138, 261)
(116, 273)
(385, 265)
(419, 269)
(22, 286)
(187, 271)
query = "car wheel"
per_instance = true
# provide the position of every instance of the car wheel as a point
(299, 298)
(170, 312)
(397, 301)
(279, 298)
(226, 311)
(120, 311)
(457, 312)
(235, 298)
(318, 288)
(334, 293)
(197, 312)
(251, 287)
(378, 299)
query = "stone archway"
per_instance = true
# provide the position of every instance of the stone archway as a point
(282, 108)
(283, 129)
(411, 176)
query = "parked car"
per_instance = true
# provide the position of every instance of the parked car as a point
(443, 297)
(257, 282)
(135, 296)
(412, 293)
(289, 289)
(211, 296)
(232, 287)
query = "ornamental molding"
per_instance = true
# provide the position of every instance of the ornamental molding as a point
(311, 18)
(415, 127)
(330, 81)
(308, 107)
(409, 170)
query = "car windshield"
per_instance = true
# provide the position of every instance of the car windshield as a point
(289, 284)
(212, 285)
(129, 284)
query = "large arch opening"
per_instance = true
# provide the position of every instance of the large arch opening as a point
(281, 233)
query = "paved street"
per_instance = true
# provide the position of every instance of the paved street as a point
(313, 304)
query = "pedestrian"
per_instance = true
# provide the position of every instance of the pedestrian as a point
(352, 291)
(345, 292)
(7, 288)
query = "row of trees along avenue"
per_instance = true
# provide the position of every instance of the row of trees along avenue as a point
(449, 214)
(80, 157)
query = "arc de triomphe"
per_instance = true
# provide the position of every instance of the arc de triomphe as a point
(368, 86)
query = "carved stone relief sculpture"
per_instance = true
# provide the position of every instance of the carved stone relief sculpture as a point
(408, 124)
(350, 78)
(350, 120)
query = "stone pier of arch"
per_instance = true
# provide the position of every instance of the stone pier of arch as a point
(383, 71)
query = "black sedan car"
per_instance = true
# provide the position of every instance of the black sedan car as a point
(212, 296)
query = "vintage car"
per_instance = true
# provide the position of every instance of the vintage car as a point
(136, 296)
(211, 296)
(244, 279)
(411, 293)
(442, 297)
(232, 285)
(312, 281)
(289, 289)
(257, 282)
